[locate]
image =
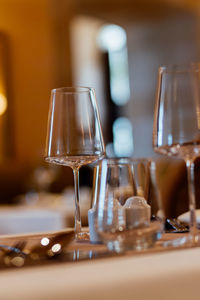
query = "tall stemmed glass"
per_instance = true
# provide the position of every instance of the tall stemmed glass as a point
(176, 130)
(74, 135)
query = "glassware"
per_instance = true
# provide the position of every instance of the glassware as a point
(176, 130)
(127, 217)
(74, 135)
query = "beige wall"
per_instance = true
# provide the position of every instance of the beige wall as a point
(30, 27)
(173, 40)
(38, 36)
(27, 27)
(157, 34)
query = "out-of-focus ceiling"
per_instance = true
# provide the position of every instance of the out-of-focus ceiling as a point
(133, 10)
(192, 5)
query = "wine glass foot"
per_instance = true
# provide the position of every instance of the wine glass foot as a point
(82, 236)
(195, 240)
(186, 241)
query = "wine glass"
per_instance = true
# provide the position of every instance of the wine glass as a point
(74, 135)
(176, 129)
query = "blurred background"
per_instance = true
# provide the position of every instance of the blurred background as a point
(115, 47)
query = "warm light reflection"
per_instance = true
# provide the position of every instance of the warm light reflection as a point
(44, 241)
(17, 261)
(56, 248)
(3, 104)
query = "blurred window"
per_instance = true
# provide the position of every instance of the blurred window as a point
(112, 38)
(123, 137)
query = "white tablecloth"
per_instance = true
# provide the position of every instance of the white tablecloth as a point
(45, 212)
(167, 275)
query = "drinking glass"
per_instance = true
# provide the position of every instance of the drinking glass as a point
(74, 135)
(176, 129)
(127, 216)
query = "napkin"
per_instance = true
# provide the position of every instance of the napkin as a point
(42, 212)
(21, 219)
(186, 217)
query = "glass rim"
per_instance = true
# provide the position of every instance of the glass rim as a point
(72, 90)
(179, 68)
(125, 160)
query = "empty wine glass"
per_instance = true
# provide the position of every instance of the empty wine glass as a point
(176, 130)
(74, 135)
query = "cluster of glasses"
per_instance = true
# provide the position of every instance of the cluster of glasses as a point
(126, 214)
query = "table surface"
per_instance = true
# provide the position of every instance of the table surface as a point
(88, 271)
(71, 250)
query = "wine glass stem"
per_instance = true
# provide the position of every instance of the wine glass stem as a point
(192, 202)
(77, 203)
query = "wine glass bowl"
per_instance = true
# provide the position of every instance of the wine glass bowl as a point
(176, 129)
(74, 135)
(177, 113)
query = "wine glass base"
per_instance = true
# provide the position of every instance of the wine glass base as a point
(82, 236)
(186, 241)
